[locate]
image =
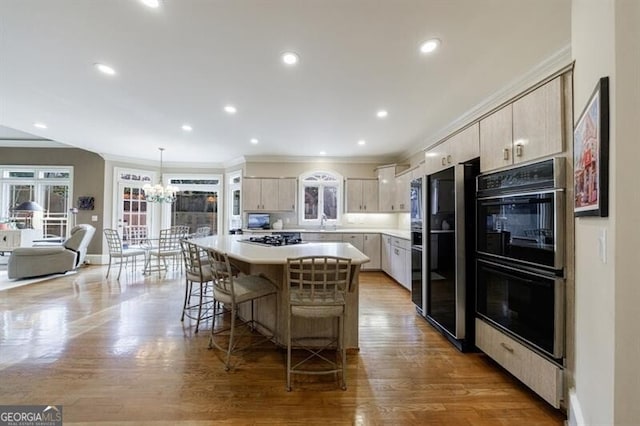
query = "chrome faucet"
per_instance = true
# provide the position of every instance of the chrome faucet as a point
(323, 221)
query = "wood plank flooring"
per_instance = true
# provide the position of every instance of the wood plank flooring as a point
(117, 353)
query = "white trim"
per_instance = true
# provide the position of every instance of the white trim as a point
(575, 417)
(338, 183)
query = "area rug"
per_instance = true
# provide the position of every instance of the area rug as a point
(6, 283)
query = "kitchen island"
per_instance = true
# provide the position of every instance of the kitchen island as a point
(271, 261)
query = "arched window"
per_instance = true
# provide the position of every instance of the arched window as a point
(320, 198)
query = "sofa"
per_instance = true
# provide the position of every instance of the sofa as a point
(26, 262)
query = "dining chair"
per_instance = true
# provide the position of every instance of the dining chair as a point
(136, 235)
(197, 272)
(118, 252)
(168, 248)
(317, 290)
(231, 291)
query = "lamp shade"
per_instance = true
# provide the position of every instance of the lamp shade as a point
(28, 206)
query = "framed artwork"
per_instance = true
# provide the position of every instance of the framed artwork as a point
(591, 155)
(85, 203)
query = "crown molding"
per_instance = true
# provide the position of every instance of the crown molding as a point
(30, 143)
(552, 64)
(318, 159)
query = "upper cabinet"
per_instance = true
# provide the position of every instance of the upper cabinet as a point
(403, 188)
(388, 186)
(269, 194)
(529, 128)
(362, 195)
(461, 147)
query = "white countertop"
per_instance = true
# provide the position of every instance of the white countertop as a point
(399, 233)
(257, 254)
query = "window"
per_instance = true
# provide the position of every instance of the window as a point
(49, 186)
(197, 201)
(234, 182)
(321, 195)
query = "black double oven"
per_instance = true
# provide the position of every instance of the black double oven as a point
(520, 253)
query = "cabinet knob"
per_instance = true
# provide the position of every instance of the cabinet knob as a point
(519, 150)
(505, 154)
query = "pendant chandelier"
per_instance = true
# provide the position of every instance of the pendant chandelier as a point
(158, 193)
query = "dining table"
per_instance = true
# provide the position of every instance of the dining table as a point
(271, 262)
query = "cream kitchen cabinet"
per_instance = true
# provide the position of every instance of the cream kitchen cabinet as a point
(386, 188)
(527, 129)
(541, 375)
(269, 194)
(369, 244)
(396, 259)
(323, 237)
(362, 195)
(461, 147)
(388, 184)
(403, 187)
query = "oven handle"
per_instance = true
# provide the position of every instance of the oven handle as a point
(522, 194)
(528, 272)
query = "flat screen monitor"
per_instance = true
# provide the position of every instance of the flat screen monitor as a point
(258, 221)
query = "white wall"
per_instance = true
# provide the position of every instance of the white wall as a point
(606, 381)
(627, 205)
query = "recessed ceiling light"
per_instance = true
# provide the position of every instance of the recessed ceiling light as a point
(429, 45)
(323, 153)
(105, 69)
(40, 125)
(230, 109)
(362, 142)
(187, 128)
(382, 113)
(151, 3)
(290, 58)
(254, 141)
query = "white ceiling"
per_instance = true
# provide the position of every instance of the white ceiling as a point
(181, 63)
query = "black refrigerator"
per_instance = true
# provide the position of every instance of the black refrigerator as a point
(450, 234)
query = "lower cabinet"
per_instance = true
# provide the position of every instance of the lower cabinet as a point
(369, 244)
(396, 259)
(541, 375)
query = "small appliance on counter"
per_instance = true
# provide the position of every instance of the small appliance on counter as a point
(258, 221)
(277, 225)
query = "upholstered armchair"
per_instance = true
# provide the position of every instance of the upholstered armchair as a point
(35, 261)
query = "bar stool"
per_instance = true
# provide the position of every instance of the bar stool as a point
(231, 291)
(317, 289)
(197, 271)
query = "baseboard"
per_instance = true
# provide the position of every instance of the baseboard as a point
(96, 259)
(575, 412)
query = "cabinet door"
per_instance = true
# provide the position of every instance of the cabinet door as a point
(372, 250)
(496, 139)
(537, 123)
(287, 194)
(356, 240)
(402, 192)
(386, 188)
(269, 194)
(251, 194)
(354, 195)
(465, 145)
(370, 195)
(438, 158)
(385, 254)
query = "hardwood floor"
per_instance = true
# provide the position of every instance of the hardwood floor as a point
(117, 353)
